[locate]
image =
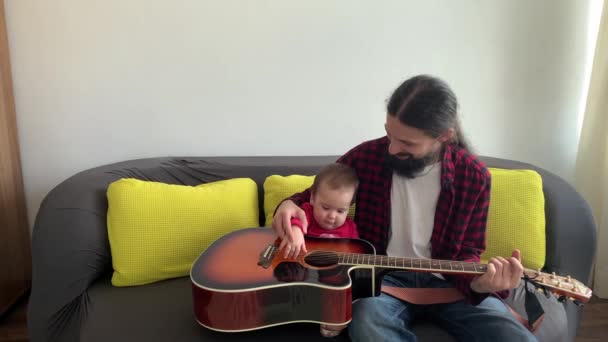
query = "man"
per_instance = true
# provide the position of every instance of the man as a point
(423, 194)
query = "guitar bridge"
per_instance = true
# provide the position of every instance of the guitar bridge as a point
(266, 256)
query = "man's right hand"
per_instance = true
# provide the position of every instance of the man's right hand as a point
(281, 223)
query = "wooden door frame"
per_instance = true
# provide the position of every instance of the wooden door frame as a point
(15, 242)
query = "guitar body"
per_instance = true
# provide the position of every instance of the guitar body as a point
(242, 282)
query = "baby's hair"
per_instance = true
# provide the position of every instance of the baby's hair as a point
(336, 176)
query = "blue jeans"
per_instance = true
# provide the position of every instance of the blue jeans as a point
(385, 318)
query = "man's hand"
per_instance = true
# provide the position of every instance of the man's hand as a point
(281, 223)
(502, 274)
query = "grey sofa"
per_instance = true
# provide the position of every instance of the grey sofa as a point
(72, 298)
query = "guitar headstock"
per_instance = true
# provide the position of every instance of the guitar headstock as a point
(565, 287)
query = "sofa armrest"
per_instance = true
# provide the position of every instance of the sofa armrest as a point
(70, 251)
(570, 231)
(571, 238)
(70, 247)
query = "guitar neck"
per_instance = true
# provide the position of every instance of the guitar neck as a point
(564, 286)
(412, 264)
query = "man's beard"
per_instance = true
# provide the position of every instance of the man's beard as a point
(410, 167)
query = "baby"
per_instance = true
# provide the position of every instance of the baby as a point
(331, 195)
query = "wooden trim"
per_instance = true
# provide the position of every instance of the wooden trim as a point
(15, 244)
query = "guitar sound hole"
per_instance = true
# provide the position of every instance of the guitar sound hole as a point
(321, 259)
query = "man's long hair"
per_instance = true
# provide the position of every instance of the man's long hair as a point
(427, 103)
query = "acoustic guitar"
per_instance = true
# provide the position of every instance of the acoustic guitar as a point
(243, 282)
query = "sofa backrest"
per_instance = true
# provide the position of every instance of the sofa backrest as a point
(85, 191)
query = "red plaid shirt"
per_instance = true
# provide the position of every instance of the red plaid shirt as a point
(459, 232)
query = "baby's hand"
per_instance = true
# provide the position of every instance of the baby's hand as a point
(296, 245)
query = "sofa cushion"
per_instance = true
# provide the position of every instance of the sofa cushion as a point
(277, 188)
(157, 230)
(516, 217)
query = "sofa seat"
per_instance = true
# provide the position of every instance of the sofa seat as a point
(132, 317)
(163, 312)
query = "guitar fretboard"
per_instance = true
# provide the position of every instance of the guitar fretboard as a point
(445, 266)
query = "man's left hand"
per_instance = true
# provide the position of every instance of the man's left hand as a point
(502, 274)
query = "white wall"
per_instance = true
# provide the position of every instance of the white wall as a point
(103, 81)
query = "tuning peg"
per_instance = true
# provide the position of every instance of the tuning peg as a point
(568, 279)
(552, 276)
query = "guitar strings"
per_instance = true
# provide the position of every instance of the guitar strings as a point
(437, 264)
(358, 258)
(321, 255)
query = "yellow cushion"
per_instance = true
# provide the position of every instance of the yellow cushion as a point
(157, 230)
(516, 218)
(277, 188)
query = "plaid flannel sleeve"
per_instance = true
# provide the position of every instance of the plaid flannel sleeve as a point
(474, 220)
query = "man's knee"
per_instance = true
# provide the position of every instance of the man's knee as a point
(380, 318)
(368, 317)
(364, 312)
(503, 327)
(489, 321)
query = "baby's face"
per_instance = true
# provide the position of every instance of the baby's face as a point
(330, 206)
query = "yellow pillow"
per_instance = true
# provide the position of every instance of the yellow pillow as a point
(157, 230)
(516, 217)
(277, 188)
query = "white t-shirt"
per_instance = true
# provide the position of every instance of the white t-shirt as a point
(413, 205)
